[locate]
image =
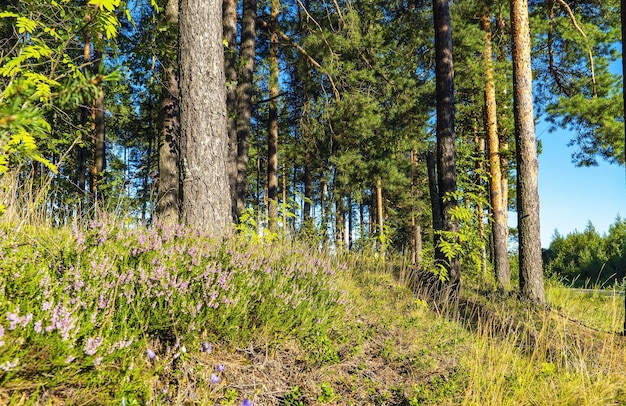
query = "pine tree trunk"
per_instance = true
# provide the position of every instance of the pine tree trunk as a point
(416, 235)
(435, 205)
(272, 142)
(81, 167)
(206, 201)
(244, 99)
(531, 275)
(168, 194)
(229, 15)
(308, 180)
(499, 225)
(480, 144)
(446, 165)
(98, 163)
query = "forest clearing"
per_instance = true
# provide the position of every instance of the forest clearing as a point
(223, 202)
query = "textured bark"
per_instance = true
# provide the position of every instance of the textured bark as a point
(480, 144)
(168, 194)
(98, 152)
(206, 201)
(416, 233)
(531, 274)
(244, 99)
(308, 181)
(435, 203)
(229, 10)
(81, 167)
(272, 139)
(446, 165)
(499, 225)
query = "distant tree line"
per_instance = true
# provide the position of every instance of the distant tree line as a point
(587, 258)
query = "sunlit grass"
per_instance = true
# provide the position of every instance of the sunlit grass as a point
(116, 313)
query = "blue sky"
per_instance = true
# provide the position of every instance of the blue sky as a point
(570, 196)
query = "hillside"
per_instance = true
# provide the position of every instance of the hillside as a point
(115, 314)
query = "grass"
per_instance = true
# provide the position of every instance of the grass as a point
(115, 314)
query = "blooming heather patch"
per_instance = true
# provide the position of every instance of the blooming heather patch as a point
(97, 297)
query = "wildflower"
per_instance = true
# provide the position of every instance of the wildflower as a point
(92, 344)
(69, 359)
(206, 347)
(37, 326)
(151, 354)
(215, 379)
(246, 402)
(9, 365)
(97, 361)
(220, 368)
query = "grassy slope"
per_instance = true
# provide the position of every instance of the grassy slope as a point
(385, 347)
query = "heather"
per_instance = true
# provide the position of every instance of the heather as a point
(112, 305)
(115, 313)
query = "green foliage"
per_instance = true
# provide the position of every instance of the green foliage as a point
(39, 71)
(327, 393)
(294, 397)
(583, 258)
(96, 300)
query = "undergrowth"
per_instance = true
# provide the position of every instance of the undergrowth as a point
(119, 314)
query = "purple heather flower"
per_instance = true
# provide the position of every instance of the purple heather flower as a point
(220, 368)
(92, 344)
(38, 327)
(9, 365)
(246, 402)
(206, 347)
(151, 354)
(215, 379)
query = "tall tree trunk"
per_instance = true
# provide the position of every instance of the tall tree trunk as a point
(435, 201)
(499, 225)
(168, 193)
(206, 201)
(446, 165)
(244, 99)
(416, 233)
(81, 167)
(480, 143)
(229, 15)
(531, 275)
(349, 231)
(98, 152)
(308, 180)
(272, 142)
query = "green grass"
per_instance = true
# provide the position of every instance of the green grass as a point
(83, 310)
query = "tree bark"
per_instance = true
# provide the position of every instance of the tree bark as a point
(531, 275)
(98, 152)
(168, 193)
(480, 145)
(229, 15)
(499, 225)
(416, 233)
(81, 167)
(244, 99)
(379, 214)
(446, 165)
(206, 201)
(272, 142)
